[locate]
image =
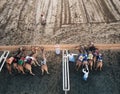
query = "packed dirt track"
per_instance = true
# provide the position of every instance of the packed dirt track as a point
(61, 47)
(69, 23)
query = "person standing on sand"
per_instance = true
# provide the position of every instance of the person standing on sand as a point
(43, 20)
(71, 57)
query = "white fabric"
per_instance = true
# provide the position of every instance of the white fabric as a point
(43, 62)
(85, 73)
(90, 56)
(81, 57)
(43, 18)
(57, 51)
(27, 57)
(71, 57)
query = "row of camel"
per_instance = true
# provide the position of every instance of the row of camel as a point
(89, 56)
(20, 62)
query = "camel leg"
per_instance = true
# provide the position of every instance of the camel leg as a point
(46, 69)
(98, 65)
(91, 64)
(101, 66)
(28, 67)
(15, 66)
(33, 62)
(36, 62)
(31, 73)
(42, 71)
(21, 69)
(9, 68)
(84, 64)
(94, 62)
(78, 66)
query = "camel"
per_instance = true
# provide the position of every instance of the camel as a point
(31, 60)
(90, 60)
(44, 67)
(79, 62)
(8, 64)
(99, 62)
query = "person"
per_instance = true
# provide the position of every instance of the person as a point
(71, 57)
(43, 20)
(86, 73)
(90, 56)
(44, 66)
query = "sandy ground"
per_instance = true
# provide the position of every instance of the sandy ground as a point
(20, 25)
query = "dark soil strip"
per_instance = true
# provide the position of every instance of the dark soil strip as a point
(115, 7)
(107, 13)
